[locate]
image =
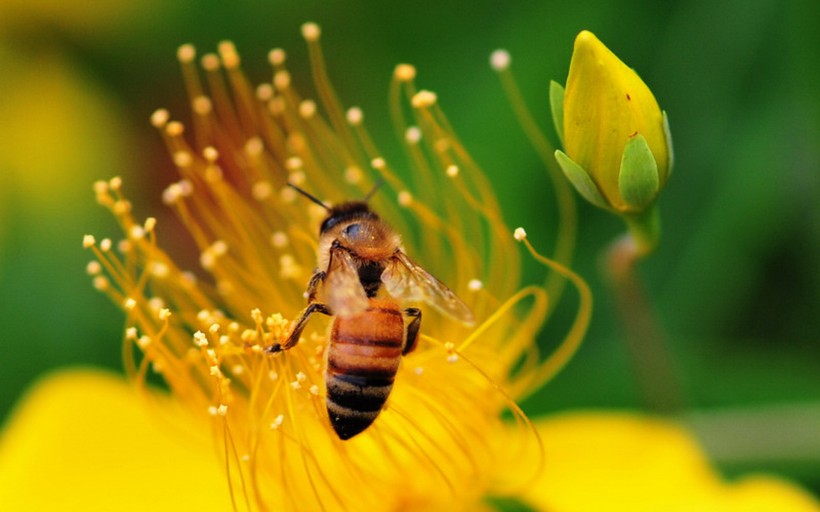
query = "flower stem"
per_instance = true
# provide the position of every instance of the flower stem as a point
(643, 334)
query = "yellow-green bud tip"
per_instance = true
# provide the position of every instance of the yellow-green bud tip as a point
(605, 105)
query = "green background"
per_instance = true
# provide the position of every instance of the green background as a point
(736, 280)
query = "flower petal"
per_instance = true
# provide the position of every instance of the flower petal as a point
(81, 440)
(621, 461)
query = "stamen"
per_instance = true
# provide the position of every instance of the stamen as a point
(519, 234)
(88, 241)
(500, 60)
(311, 32)
(354, 116)
(424, 99)
(405, 72)
(277, 56)
(160, 118)
(186, 53)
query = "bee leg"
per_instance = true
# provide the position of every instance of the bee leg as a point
(412, 330)
(313, 285)
(296, 333)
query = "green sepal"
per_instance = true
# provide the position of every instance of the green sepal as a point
(581, 180)
(638, 180)
(557, 108)
(669, 151)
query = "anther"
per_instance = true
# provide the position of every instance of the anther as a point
(105, 244)
(160, 118)
(500, 60)
(405, 72)
(405, 198)
(474, 285)
(210, 154)
(227, 51)
(519, 234)
(354, 116)
(424, 99)
(452, 171)
(202, 105)
(311, 31)
(307, 109)
(174, 128)
(277, 57)
(353, 175)
(150, 224)
(210, 62)
(89, 241)
(93, 268)
(129, 304)
(186, 53)
(279, 239)
(412, 135)
(378, 163)
(281, 80)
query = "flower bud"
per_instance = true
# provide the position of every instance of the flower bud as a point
(617, 147)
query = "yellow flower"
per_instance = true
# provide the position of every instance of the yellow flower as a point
(80, 441)
(617, 147)
(439, 439)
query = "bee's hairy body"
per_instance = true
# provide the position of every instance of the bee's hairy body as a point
(361, 269)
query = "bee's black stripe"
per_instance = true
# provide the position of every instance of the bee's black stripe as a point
(364, 341)
(361, 380)
(359, 398)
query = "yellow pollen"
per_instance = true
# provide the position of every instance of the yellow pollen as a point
(272, 375)
(129, 304)
(237, 369)
(314, 390)
(281, 80)
(254, 146)
(224, 339)
(262, 190)
(293, 163)
(227, 50)
(296, 385)
(405, 72)
(215, 371)
(307, 109)
(131, 333)
(101, 283)
(202, 105)
(159, 269)
(124, 246)
(378, 163)
(89, 241)
(200, 339)
(222, 410)
(279, 239)
(354, 116)
(164, 314)
(353, 175)
(301, 377)
(405, 198)
(277, 422)
(115, 183)
(418, 370)
(210, 154)
(210, 62)
(452, 171)
(93, 268)
(256, 315)
(186, 53)
(474, 285)
(277, 56)
(156, 303)
(214, 328)
(519, 234)
(500, 60)
(160, 118)
(412, 135)
(311, 31)
(122, 207)
(144, 341)
(424, 99)
(150, 224)
(135, 233)
(183, 159)
(297, 177)
(174, 128)
(100, 187)
(105, 245)
(264, 92)
(287, 194)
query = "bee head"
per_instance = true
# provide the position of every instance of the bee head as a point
(352, 213)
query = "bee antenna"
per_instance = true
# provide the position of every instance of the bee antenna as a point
(376, 187)
(309, 196)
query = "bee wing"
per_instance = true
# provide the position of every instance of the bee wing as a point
(343, 290)
(404, 279)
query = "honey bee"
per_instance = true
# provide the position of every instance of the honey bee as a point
(362, 276)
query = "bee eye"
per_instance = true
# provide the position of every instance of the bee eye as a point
(353, 230)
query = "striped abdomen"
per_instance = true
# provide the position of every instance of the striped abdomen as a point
(363, 357)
